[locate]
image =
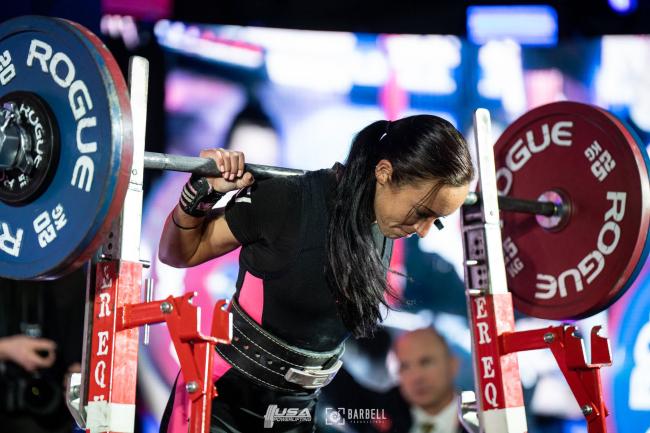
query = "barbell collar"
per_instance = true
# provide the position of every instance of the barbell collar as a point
(207, 167)
(15, 142)
(511, 204)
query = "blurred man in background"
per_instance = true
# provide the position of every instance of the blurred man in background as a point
(427, 370)
(424, 401)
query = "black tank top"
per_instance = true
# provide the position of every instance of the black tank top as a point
(282, 225)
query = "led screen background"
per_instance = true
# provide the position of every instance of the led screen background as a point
(296, 98)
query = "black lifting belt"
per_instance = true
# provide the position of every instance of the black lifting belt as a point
(271, 362)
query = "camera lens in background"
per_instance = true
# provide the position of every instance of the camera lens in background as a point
(43, 399)
(40, 396)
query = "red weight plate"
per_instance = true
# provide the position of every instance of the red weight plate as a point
(583, 264)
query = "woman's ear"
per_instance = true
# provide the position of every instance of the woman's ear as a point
(383, 172)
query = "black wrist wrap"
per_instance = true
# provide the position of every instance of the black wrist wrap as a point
(198, 196)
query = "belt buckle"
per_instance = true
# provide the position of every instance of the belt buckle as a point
(311, 378)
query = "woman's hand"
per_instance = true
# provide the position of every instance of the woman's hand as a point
(188, 238)
(231, 165)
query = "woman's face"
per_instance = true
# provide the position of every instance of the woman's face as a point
(403, 210)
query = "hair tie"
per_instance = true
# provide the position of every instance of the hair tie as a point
(385, 130)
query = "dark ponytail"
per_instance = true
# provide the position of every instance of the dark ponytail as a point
(422, 147)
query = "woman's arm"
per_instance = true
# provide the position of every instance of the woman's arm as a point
(183, 248)
(190, 239)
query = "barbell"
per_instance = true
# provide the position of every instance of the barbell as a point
(573, 175)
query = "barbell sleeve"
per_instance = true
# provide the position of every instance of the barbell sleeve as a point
(519, 205)
(207, 166)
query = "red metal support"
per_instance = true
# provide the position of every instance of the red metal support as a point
(497, 406)
(114, 311)
(194, 349)
(113, 356)
(567, 348)
(114, 348)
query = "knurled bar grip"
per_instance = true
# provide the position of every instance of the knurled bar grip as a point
(207, 167)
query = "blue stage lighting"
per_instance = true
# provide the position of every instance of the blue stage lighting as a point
(623, 6)
(527, 25)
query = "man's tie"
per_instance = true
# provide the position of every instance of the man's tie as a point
(426, 427)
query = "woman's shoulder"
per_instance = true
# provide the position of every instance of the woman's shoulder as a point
(273, 189)
(325, 178)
